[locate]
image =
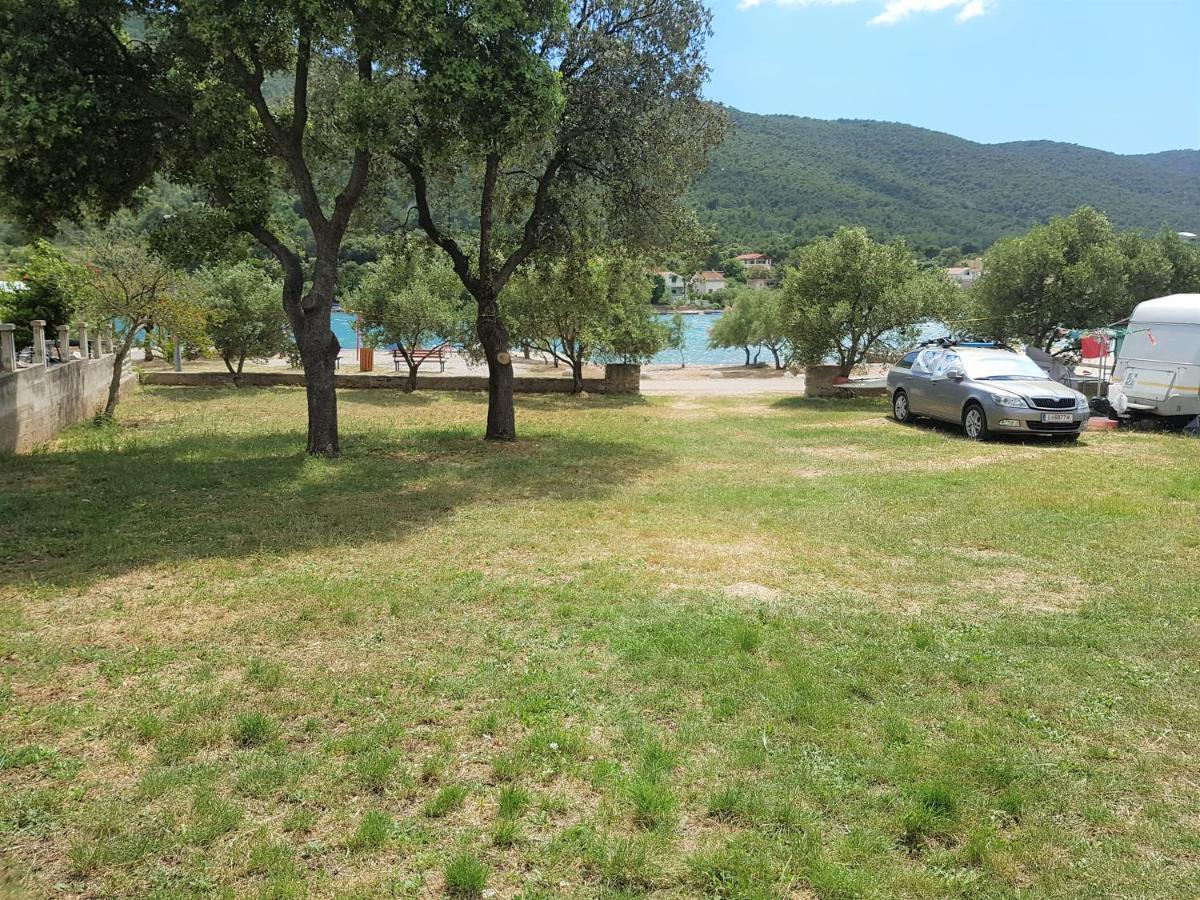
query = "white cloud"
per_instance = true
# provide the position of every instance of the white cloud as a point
(898, 10)
(893, 10)
(971, 10)
(747, 4)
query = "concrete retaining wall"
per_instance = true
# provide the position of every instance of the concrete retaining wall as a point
(620, 382)
(38, 402)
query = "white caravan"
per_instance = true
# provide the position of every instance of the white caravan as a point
(1158, 365)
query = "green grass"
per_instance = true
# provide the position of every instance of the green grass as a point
(736, 648)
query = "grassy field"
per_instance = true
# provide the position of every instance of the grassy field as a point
(739, 648)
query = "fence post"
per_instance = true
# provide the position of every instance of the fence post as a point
(38, 327)
(64, 343)
(8, 347)
(84, 348)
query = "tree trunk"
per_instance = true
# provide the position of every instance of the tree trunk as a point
(310, 317)
(412, 378)
(747, 349)
(577, 375)
(493, 336)
(114, 384)
(775, 353)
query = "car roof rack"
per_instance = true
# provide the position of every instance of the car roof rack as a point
(955, 342)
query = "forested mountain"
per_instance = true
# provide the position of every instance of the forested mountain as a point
(781, 180)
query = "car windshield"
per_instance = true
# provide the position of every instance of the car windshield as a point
(1003, 367)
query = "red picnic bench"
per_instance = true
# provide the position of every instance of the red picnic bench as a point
(421, 354)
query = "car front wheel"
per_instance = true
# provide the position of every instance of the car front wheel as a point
(900, 410)
(975, 422)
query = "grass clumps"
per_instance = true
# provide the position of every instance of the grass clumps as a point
(446, 800)
(512, 802)
(375, 769)
(931, 815)
(373, 832)
(466, 876)
(253, 730)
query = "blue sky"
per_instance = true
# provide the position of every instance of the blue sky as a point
(1121, 75)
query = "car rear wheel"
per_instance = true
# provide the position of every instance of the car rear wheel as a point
(975, 423)
(900, 410)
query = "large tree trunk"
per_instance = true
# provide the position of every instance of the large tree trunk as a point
(310, 318)
(577, 375)
(493, 336)
(412, 378)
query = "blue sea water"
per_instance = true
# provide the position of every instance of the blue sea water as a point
(696, 352)
(696, 328)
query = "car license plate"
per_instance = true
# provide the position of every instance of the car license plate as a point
(1057, 417)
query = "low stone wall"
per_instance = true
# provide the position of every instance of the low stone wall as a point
(818, 382)
(38, 402)
(622, 381)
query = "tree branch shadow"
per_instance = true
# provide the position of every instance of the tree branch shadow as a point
(77, 516)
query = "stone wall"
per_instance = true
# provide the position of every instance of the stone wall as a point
(818, 382)
(621, 382)
(39, 401)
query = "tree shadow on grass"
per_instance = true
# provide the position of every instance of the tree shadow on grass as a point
(385, 397)
(832, 405)
(120, 502)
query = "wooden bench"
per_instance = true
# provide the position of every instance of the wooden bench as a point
(421, 354)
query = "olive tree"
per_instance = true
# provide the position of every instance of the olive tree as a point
(1067, 273)
(243, 317)
(848, 294)
(735, 329)
(242, 101)
(121, 282)
(577, 306)
(410, 298)
(543, 116)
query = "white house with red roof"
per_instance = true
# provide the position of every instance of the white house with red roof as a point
(753, 261)
(708, 282)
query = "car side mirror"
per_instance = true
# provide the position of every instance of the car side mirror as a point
(957, 374)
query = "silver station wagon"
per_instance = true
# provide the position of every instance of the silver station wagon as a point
(989, 390)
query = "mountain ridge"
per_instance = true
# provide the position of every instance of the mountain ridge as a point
(779, 180)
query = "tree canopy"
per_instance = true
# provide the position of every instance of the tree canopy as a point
(243, 317)
(582, 306)
(240, 101)
(1068, 272)
(847, 294)
(553, 119)
(412, 298)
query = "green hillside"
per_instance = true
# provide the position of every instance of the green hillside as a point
(780, 180)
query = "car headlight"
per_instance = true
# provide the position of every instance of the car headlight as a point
(1008, 400)
(1081, 402)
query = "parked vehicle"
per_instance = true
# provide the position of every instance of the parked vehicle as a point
(988, 390)
(1157, 373)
